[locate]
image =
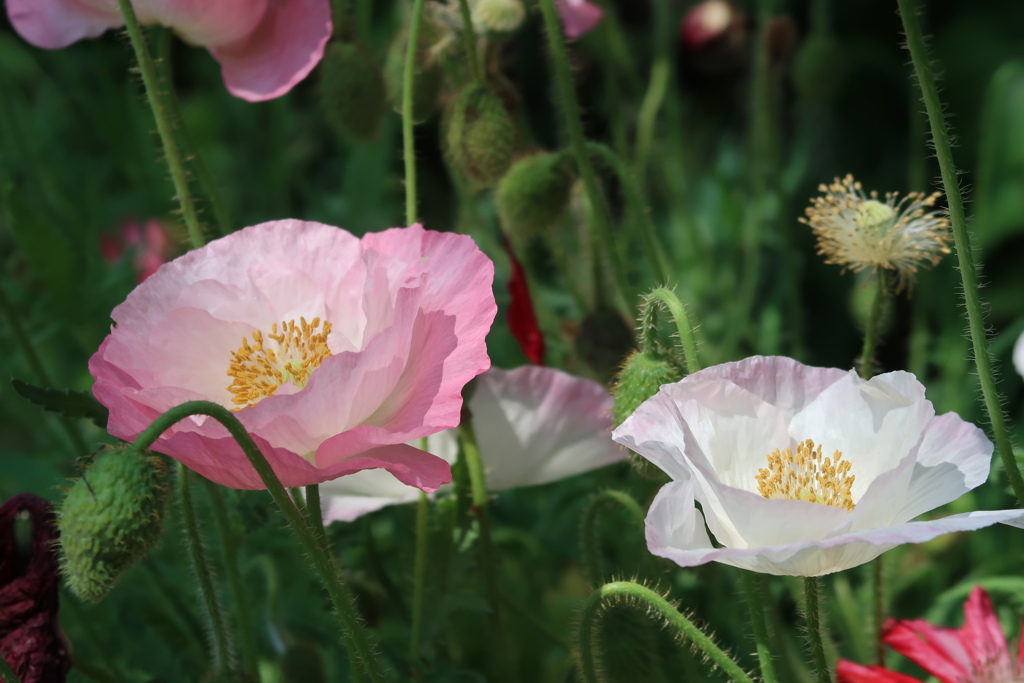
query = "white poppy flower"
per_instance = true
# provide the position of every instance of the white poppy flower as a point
(533, 425)
(1018, 355)
(727, 437)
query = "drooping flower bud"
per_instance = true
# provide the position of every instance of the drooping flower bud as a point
(534, 193)
(110, 518)
(479, 135)
(352, 91)
(429, 76)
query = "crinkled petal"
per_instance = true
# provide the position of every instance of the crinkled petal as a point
(281, 51)
(578, 16)
(674, 524)
(54, 24)
(850, 672)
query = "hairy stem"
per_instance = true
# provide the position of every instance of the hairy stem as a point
(872, 333)
(419, 575)
(757, 622)
(598, 502)
(648, 324)
(469, 41)
(812, 612)
(315, 512)
(408, 138)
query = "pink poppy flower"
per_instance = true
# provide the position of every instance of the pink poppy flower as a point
(578, 16)
(264, 47)
(802, 471)
(534, 425)
(976, 653)
(148, 242)
(335, 351)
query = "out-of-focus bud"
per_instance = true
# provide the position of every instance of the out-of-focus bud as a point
(712, 22)
(110, 518)
(31, 641)
(150, 243)
(602, 341)
(819, 69)
(479, 135)
(498, 16)
(352, 91)
(781, 39)
(429, 76)
(535, 193)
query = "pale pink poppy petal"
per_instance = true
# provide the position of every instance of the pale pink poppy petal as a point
(281, 51)
(55, 24)
(578, 16)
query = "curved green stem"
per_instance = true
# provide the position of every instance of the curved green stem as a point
(596, 504)
(408, 138)
(588, 632)
(163, 123)
(635, 202)
(649, 326)
(873, 331)
(661, 72)
(323, 562)
(469, 40)
(812, 612)
(757, 622)
(419, 575)
(599, 225)
(972, 297)
(221, 656)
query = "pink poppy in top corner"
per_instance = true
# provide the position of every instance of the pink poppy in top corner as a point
(335, 351)
(578, 16)
(264, 47)
(976, 653)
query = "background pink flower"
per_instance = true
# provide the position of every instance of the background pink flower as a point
(391, 328)
(264, 47)
(578, 16)
(148, 242)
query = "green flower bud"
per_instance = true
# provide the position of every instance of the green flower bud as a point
(534, 193)
(429, 76)
(352, 91)
(110, 518)
(479, 135)
(499, 16)
(819, 69)
(641, 377)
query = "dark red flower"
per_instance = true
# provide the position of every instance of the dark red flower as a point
(30, 640)
(522, 321)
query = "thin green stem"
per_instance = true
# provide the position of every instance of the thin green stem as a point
(230, 553)
(599, 225)
(590, 623)
(872, 332)
(646, 119)
(598, 502)
(757, 622)
(190, 149)
(314, 511)
(648, 324)
(812, 612)
(221, 656)
(163, 123)
(961, 237)
(408, 138)
(324, 564)
(878, 590)
(469, 41)
(419, 575)
(635, 202)
(6, 673)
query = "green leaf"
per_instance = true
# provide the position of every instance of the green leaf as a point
(66, 402)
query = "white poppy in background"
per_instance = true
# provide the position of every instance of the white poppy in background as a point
(1018, 355)
(802, 471)
(533, 425)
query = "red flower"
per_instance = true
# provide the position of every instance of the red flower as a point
(30, 639)
(976, 653)
(522, 321)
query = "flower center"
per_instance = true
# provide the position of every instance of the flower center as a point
(288, 353)
(872, 213)
(807, 476)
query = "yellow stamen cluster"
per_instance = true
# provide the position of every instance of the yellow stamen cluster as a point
(288, 353)
(807, 476)
(857, 230)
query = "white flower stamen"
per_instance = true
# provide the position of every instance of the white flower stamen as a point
(288, 353)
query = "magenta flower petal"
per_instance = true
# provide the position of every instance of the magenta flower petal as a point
(578, 16)
(850, 672)
(407, 328)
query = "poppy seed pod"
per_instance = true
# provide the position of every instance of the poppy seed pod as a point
(110, 519)
(479, 135)
(352, 91)
(534, 193)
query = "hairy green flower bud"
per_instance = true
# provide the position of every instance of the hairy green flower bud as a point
(428, 78)
(352, 91)
(110, 518)
(499, 16)
(534, 193)
(641, 377)
(479, 135)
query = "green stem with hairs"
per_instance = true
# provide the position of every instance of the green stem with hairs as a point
(469, 41)
(163, 123)
(361, 650)
(965, 258)
(757, 622)
(589, 629)
(657, 87)
(635, 203)
(648, 324)
(419, 575)
(598, 502)
(878, 607)
(315, 512)
(221, 656)
(812, 612)
(599, 225)
(408, 138)
(872, 333)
